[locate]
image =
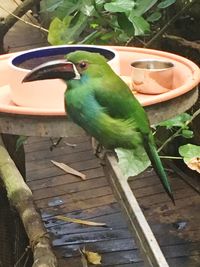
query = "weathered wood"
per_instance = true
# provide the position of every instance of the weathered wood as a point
(50, 126)
(150, 248)
(171, 108)
(160, 213)
(64, 179)
(77, 205)
(21, 198)
(52, 171)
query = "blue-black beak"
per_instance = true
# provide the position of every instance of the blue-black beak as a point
(55, 69)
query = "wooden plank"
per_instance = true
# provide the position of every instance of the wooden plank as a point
(77, 206)
(71, 190)
(139, 225)
(64, 179)
(192, 261)
(112, 258)
(88, 237)
(101, 247)
(52, 171)
(112, 221)
(39, 125)
(73, 197)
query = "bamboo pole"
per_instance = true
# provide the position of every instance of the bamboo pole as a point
(20, 196)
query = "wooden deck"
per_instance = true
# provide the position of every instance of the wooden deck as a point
(56, 193)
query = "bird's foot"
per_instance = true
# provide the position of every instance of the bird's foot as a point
(98, 149)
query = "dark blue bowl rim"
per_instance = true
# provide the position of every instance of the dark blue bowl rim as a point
(50, 51)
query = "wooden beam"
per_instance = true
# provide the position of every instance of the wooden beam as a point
(138, 224)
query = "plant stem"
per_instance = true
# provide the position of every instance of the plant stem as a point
(172, 20)
(170, 157)
(179, 130)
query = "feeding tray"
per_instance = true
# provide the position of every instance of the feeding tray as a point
(186, 78)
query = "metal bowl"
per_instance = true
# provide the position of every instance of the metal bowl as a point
(152, 76)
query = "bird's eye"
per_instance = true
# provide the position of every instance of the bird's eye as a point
(83, 65)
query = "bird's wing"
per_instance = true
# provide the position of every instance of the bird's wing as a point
(116, 97)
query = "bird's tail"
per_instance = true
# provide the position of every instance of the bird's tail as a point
(157, 165)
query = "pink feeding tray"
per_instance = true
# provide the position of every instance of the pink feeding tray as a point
(186, 77)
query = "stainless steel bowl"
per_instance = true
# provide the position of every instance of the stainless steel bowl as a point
(152, 76)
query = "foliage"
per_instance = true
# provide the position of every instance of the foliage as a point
(132, 162)
(101, 21)
(191, 156)
(189, 151)
(180, 122)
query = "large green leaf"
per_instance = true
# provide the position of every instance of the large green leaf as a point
(166, 3)
(189, 151)
(142, 6)
(141, 26)
(61, 8)
(178, 121)
(66, 32)
(56, 29)
(120, 6)
(132, 162)
(191, 156)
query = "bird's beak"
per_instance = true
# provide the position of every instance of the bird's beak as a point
(55, 69)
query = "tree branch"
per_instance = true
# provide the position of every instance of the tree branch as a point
(10, 20)
(20, 196)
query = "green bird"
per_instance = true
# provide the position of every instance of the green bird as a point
(102, 104)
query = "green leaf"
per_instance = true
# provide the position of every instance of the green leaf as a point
(189, 151)
(61, 8)
(178, 121)
(191, 156)
(123, 37)
(155, 16)
(120, 6)
(50, 5)
(87, 8)
(166, 3)
(142, 6)
(57, 28)
(187, 133)
(68, 30)
(141, 26)
(125, 25)
(107, 36)
(132, 162)
(20, 141)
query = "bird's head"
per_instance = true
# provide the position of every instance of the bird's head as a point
(76, 65)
